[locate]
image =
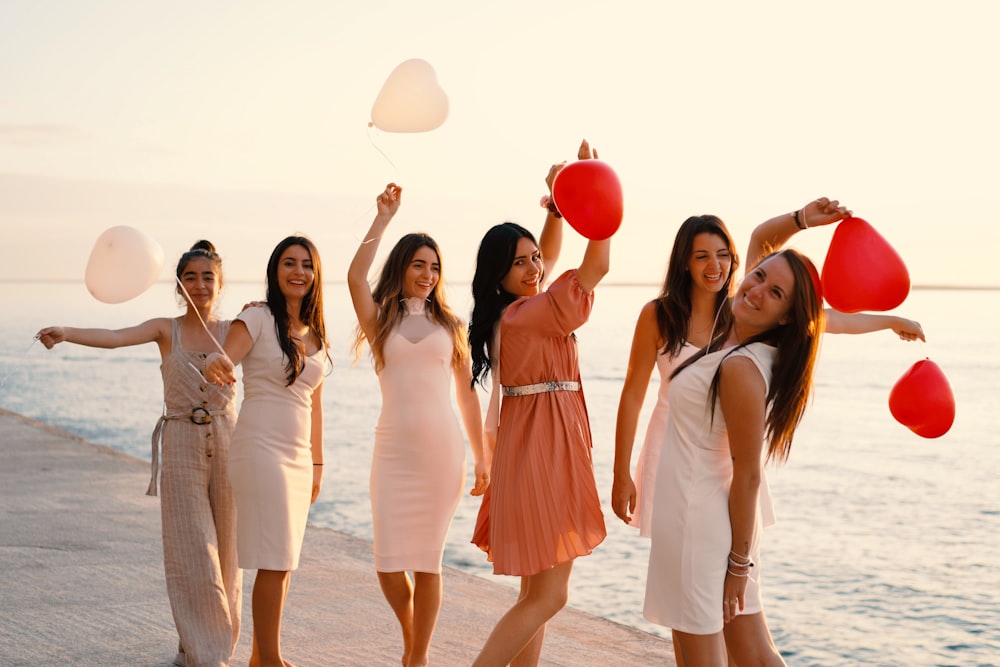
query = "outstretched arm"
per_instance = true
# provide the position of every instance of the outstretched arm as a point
(859, 323)
(156, 330)
(775, 232)
(357, 275)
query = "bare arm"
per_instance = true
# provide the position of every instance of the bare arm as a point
(641, 360)
(550, 242)
(221, 369)
(316, 440)
(357, 275)
(156, 330)
(742, 396)
(859, 323)
(775, 232)
(472, 419)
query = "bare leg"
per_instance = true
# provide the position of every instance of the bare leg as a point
(542, 596)
(700, 650)
(398, 591)
(532, 651)
(427, 593)
(268, 603)
(750, 643)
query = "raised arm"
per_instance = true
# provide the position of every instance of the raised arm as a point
(357, 275)
(641, 360)
(775, 232)
(550, 242)
(156, 330)
(859, 323)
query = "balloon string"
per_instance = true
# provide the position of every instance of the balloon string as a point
(3, 380)
(200, 319)
(375, 146)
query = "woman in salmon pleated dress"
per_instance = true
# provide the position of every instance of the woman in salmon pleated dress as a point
(541, 510)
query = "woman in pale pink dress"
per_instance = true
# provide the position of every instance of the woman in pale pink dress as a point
(418, 464)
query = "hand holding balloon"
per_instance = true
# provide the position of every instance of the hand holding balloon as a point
(51, 336)
(219, 369)
(389, 200)
(908, 330)
(823, 211)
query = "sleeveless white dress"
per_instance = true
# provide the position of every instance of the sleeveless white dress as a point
(691, 533)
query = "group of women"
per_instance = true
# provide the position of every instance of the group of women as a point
(736, 371)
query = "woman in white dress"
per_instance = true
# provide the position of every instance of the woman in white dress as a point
(418, 464)
(276, 459)
(751, 387)
(692, 305)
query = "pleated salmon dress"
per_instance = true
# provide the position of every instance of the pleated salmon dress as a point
(541, 507)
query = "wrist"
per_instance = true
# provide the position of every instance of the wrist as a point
(799, 216)
(548, 203)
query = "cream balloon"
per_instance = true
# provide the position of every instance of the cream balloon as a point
(123, 264)
(411, 100)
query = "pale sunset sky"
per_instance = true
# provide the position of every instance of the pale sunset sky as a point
(243, 122)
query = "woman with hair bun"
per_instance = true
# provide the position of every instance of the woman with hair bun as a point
(204, 582)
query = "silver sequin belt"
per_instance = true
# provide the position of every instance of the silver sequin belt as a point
(541, 388)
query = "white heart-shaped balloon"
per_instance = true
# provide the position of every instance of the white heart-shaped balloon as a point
(411, 100)
(123, 264)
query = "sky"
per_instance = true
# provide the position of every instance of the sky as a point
(243, 122)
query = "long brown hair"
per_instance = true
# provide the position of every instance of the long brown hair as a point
(673, 305)
(797, 343)
(388, 293)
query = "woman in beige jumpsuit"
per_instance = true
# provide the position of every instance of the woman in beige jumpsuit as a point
(204, 582)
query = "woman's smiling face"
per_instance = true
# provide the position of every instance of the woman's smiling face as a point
(525, 273)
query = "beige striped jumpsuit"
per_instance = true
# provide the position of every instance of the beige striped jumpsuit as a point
(204, 582)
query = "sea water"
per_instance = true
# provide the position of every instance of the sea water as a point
(886, 546)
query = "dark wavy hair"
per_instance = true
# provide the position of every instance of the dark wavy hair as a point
(673, 305)
(496, 255)
(797, 343)
(388, 292)
(200, 250)
(310, 311)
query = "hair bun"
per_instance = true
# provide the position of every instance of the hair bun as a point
(204, 245)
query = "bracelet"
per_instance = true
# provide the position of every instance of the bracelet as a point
(318, 464)
(738, 574)
(799, 222)
(547, 202)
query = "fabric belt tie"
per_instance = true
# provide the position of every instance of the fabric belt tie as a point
(198, 415)
(541, 388)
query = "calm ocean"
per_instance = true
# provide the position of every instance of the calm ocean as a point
(886, 546)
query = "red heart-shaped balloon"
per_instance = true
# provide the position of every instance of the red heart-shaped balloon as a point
(862, 271)
(922, 400)
(589, 195)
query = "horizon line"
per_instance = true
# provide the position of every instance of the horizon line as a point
(623, 283)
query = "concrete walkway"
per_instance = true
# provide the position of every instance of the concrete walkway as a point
(83, 579)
